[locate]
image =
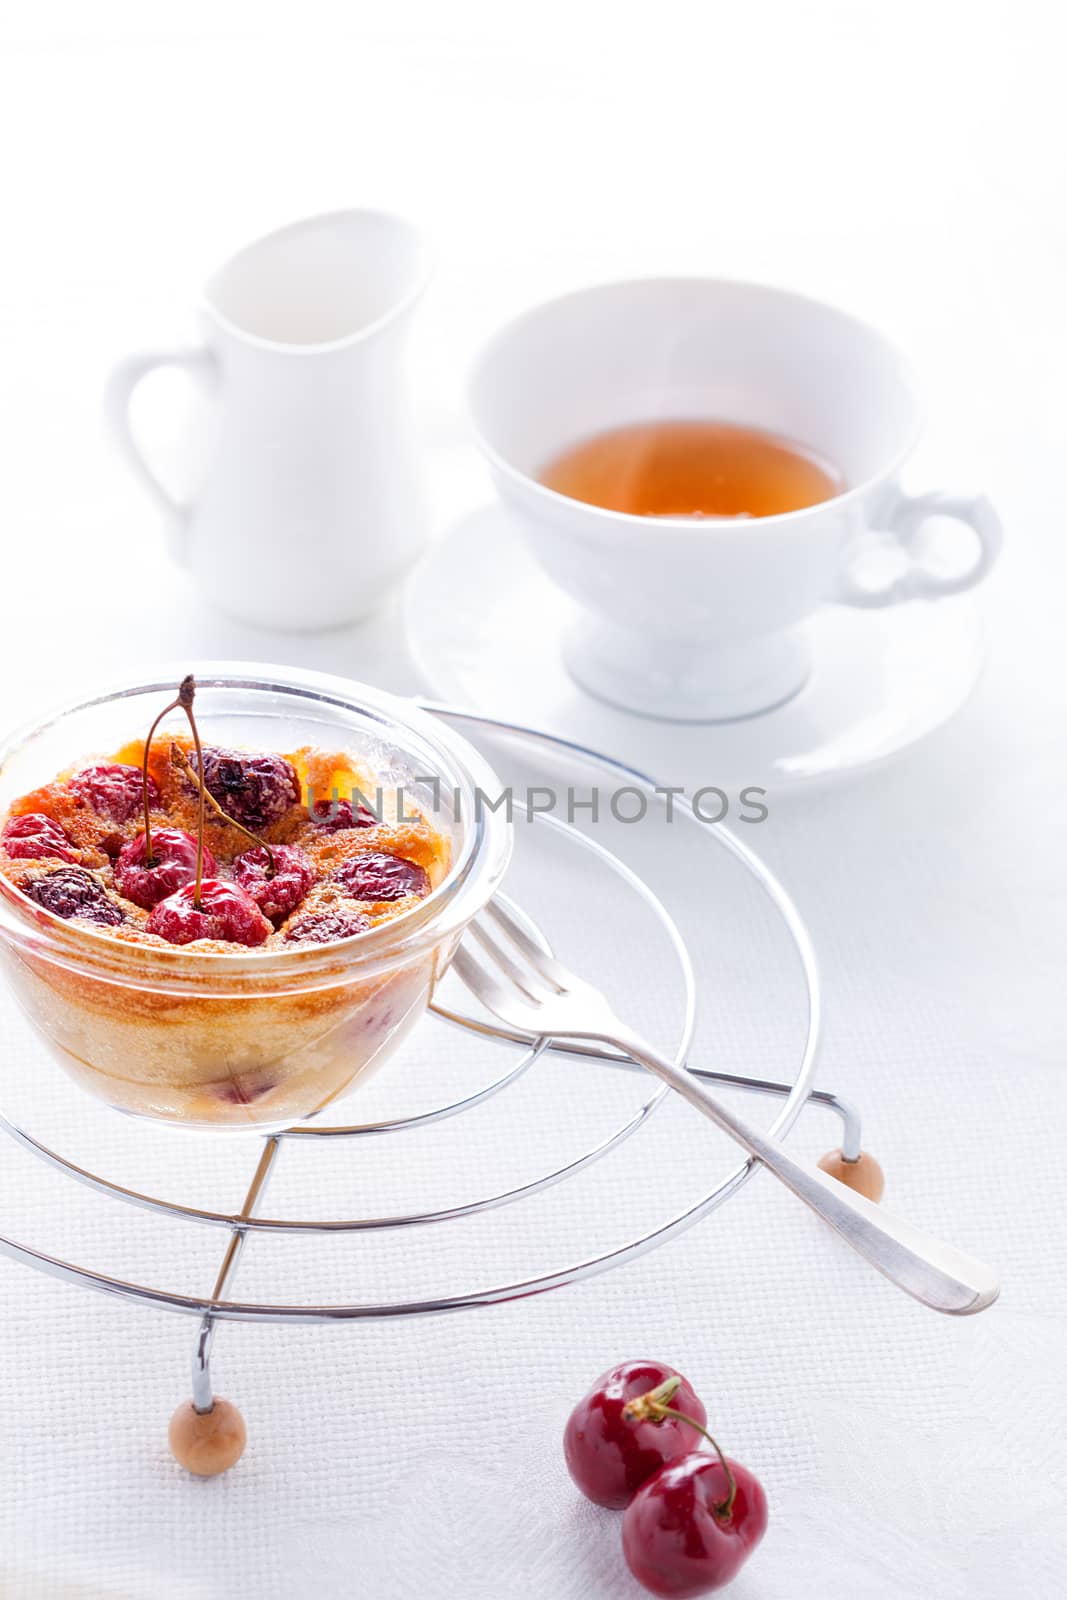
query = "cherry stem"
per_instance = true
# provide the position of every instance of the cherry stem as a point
(181, 760)
(654, 1407)
(186, 694)
(149, 852)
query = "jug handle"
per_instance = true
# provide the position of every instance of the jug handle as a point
(118, 395)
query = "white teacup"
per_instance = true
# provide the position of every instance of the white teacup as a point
(700, 618)
(309, 510)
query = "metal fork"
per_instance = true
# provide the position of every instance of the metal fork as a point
(530, 990)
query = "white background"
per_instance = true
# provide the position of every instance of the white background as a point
(905, 160)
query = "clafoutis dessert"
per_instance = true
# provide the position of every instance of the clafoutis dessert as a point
(203, 911)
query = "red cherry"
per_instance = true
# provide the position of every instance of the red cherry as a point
(73, 892)
(609, 1455)
(243, 1091)
(113, 790)
(173, 864)
(322, 927)
(686, 1531)
(377, 876)
(35, 836)
(225, 912)
(255, 790)
(278, 895)
(333, 815)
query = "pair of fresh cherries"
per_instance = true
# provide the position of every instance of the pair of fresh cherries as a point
(691, 1519)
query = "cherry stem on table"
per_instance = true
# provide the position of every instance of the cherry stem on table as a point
(654, 1407)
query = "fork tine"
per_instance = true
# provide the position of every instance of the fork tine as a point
(525, 979)
(489, 990)
(545, 965)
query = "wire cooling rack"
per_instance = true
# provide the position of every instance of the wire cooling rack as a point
(518, 1055)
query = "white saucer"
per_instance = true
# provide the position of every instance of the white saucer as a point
(485, 624)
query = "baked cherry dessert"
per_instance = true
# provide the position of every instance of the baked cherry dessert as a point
(237, 859)
(175, 851)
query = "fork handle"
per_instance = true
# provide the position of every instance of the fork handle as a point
(935, 1273)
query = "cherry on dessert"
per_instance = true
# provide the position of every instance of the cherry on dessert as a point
(173, 864)
(374, 875)
(692, 1526)
(277, 893)
(243, 1091)
(255, 790)
(73, 892)
(334, 815)
(225, 913)
(34, 837)
(323, 927)
(113, 790)
(609, 1453)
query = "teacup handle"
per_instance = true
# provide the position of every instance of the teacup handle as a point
(117, 397)
(919, 582)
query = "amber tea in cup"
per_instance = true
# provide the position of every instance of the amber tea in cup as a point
(703, 618)
(692, 468)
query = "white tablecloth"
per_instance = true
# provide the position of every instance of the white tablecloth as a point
(904, 160)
